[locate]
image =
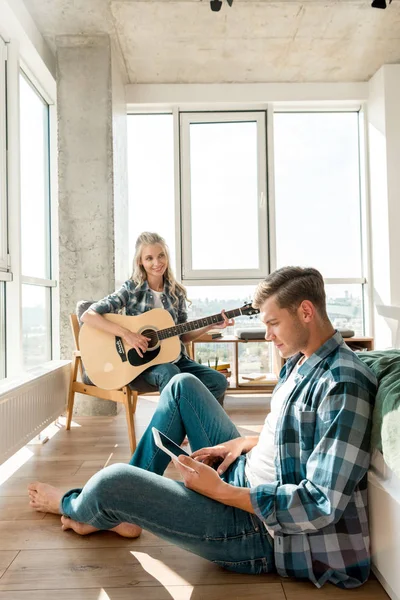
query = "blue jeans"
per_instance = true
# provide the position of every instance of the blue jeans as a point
(161, 375)
(137, 493)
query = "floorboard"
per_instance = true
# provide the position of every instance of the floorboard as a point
(38, 560)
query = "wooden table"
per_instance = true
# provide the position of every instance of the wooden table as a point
(236, 381)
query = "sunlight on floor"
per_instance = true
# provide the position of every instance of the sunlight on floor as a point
(8, 468)
(159, 570)
(20, 458)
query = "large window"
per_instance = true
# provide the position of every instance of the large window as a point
(3, 161)
(221, 219)
(35, 225)
(223, 161)
(3, 205)
(318, 205)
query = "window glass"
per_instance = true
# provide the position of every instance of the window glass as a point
(151, 178)
(345, 307)
(36, 324)
(224, 195)
(317, 192)
(35, 213)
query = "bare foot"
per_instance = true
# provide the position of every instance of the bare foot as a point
(127, 530)
(44, 497)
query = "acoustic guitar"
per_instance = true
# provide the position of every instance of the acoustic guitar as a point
(111, 363)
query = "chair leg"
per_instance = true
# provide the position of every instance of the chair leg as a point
(71, 393)
(130, 407)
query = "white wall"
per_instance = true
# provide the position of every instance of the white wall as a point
(384, 153)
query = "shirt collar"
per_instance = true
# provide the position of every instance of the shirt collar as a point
(319, 355)
(144, 287)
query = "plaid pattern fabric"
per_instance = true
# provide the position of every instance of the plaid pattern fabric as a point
(317, 508)
(137, 300)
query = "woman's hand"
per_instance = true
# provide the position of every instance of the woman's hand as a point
(228, 452)
(225, 323)
(137, 341)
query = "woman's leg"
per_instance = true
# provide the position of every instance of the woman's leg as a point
(159, 376)
(213, 380)
(186, 407)
(225, 535)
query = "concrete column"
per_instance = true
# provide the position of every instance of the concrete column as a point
(384, 152)
(92, 182)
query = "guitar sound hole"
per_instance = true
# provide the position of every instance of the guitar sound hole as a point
(150, 333)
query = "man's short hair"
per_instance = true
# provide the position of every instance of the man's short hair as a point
(292, 285)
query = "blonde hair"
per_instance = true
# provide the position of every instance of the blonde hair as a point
(139, 275)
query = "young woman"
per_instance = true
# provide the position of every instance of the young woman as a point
(153, 285)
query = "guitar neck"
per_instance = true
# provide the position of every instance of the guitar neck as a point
(163, 334)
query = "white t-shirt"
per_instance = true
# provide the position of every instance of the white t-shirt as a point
(157, 299)
(260, 461)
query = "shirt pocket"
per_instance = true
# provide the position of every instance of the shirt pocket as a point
(306, 420)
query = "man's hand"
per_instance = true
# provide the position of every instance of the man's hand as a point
(226, 452)
(204, 480)
(200, 478)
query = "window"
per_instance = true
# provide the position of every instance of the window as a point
(318, 205)
(3, 164)
(3, 208)
(222, 216)
(35, 225)
(151, 178)
(253, 359)
(223, 162)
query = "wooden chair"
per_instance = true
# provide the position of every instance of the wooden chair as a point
(125, 395)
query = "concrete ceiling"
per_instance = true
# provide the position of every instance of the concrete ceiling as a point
(170, 41)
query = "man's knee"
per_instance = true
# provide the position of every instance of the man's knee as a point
(184, 384)
(166, 372)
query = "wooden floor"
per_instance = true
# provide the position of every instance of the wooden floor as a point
(38, 561)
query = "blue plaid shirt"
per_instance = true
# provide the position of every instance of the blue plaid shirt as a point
(136, 300)
(317, 507)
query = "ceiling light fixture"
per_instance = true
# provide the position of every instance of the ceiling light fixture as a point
(379, 3)
(216, 5)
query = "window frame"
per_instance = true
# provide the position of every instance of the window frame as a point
(45, 282)
(364, 211)
(269, 108)
(190, 275)
(4, 263)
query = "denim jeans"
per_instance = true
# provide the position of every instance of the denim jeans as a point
(137, 493)
(161, 375)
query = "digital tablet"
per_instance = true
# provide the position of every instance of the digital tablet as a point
(168, 446)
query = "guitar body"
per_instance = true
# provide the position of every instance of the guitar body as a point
(111, 363)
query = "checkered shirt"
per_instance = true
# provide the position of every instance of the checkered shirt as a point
(136, 300)
(317, 507)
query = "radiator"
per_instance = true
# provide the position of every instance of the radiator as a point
(31, 403)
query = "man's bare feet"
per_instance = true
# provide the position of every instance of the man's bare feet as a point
(127, 530)
(44, 497)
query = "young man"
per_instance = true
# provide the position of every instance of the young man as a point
(292, 500)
